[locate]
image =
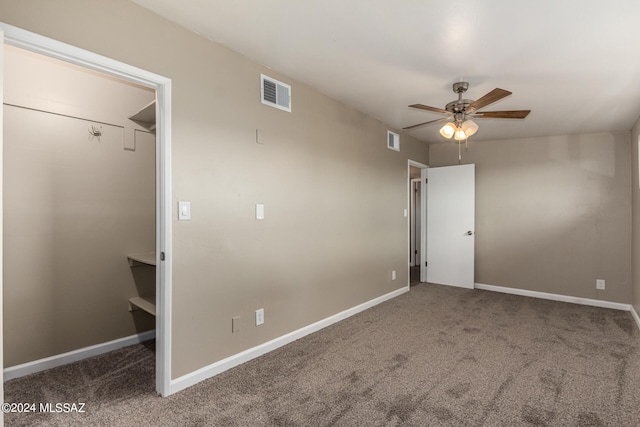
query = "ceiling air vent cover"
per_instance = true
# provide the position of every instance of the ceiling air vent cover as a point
(275, 93)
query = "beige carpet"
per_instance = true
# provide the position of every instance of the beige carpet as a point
(436, 356)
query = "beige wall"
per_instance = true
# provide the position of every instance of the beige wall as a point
(334, 195)
(635, 188)
(74, 207)
(553, 214)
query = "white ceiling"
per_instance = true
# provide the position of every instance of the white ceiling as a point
(574, 63)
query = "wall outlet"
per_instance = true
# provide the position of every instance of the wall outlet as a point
(600, 284)
(259, 211)
(259, 316)
(235, 324)
(393, 275)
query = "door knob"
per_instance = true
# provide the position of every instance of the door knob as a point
(469, 233)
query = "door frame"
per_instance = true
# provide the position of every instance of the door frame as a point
(29, 41)
(423, 220)
(413, 221)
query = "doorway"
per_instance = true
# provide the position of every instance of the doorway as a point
(162, 86)
(414, 254)
(417, 222)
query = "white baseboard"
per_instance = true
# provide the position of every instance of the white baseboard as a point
(216, 368)
(75, 355)
(555, 297)
(635, 316)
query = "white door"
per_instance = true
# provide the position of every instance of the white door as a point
(450, 225)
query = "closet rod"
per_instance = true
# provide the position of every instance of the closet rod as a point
(63, 115)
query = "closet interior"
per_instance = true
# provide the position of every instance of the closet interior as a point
(79, 208)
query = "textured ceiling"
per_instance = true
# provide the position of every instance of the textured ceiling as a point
(575, 64)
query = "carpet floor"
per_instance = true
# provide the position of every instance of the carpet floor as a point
(435, 356)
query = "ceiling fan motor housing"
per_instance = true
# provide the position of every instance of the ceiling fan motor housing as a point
(460, 87)
(458, 106)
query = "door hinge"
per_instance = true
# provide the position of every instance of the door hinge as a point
(426, 264)
(161, 256)
(426, 180)
(416, 251)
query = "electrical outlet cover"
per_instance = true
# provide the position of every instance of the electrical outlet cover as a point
(259, 211)
(259, 317)
(235, 324)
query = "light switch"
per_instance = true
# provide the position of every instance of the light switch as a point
(259, 211)
(184, 211)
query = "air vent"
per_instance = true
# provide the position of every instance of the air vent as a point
(275, 93)
(393, 141)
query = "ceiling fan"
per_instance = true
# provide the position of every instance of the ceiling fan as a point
(459, 126)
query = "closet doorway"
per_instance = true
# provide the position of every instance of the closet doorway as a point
(417, 222)
(64, 206)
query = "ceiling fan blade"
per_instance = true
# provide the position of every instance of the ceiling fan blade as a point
(426, 107)
(426, 123)
(495, 95)
(514, 114)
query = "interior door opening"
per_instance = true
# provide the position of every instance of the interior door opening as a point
(79, 200)
(417, 228)
(97, 133)
(414, 254)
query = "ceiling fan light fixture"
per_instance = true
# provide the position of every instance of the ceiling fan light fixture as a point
(459, 135)
(469, 127)
(448, 130)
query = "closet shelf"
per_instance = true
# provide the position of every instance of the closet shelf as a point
(146, 117)
(142, 259)
(147, 304)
